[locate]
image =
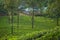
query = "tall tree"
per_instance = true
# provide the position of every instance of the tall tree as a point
(53, 9)
(11, 6)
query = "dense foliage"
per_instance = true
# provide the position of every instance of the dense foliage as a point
(21, 25)
(53, 34)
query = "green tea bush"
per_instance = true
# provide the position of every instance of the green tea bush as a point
(51, 35)
(32, 36)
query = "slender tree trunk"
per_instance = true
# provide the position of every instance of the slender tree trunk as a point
(33, 15)
(9, 17)
(57, 20)
(12, 23)
(33, 19)
(18, 22)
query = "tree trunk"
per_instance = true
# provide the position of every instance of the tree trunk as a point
(57, 20)
(33, 15)
(12, 22)
(33, 19)
(9, 17)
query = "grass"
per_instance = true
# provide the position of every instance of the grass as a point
(25, 26)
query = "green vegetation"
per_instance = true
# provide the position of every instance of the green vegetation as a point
(25, 27)
(52, 34)
(42, 21)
